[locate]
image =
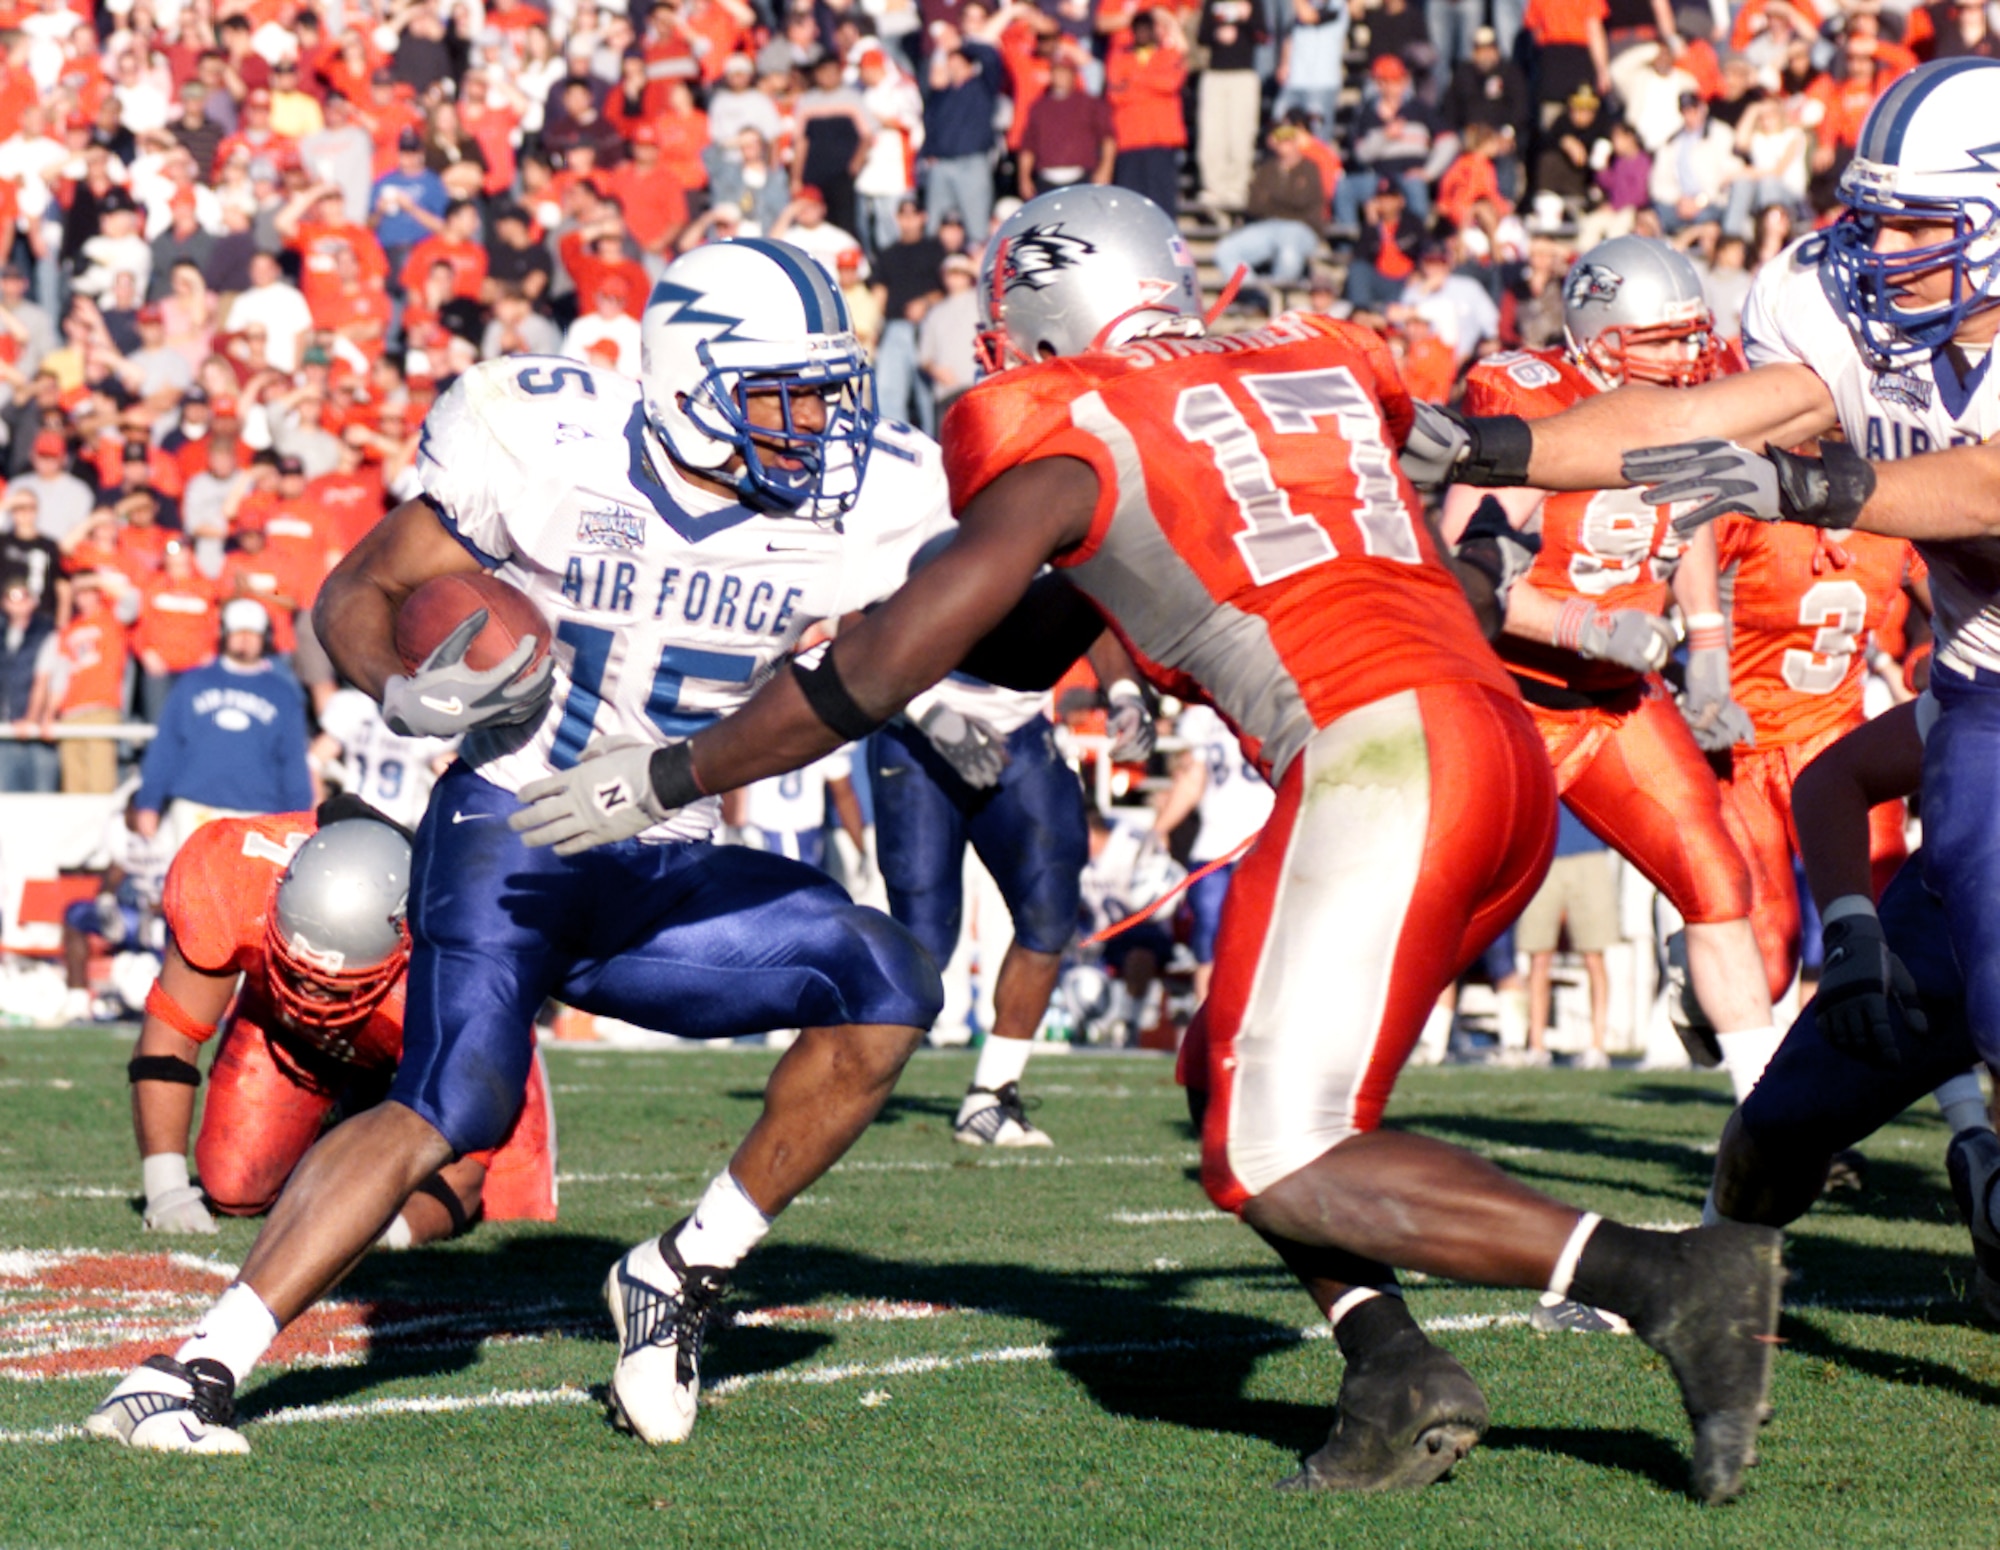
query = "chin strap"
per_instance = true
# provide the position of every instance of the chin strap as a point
(1228, 294)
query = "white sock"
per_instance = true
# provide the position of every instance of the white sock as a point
(1964, 1105)
(1355, 1296)
(1709, 1215)
(236, 1332)
(1745, 1054)
(725, 1226)
(397, 1234)
(1002, 1061)
(1565, 1270)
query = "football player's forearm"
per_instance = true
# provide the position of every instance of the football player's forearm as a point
(1532, 614)
(356, 622)
(1696, 585)
(1879, 761)
(1938, 496)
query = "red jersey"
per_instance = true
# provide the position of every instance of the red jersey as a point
(219, 890)
(1801, 604)
(1605, 545)
(1263, 553)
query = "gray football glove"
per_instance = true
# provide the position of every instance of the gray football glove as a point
(445, 698)
(973, 749)
(1438, 441)
(1631, 637)
(1861, 982)
(1128, 722)
(178, 1211)
(1772, 485)
(1713, 716)
(606, 796)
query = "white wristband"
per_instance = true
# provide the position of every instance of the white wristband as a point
(1846, 905)
(163, 1171)
(1124, 688)
(1705, 621)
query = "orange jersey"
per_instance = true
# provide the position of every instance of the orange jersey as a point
(1605, 545)
(1801, 605)
(1263, 552)
(219, 889)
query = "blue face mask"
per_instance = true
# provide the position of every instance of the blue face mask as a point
(1861, 283)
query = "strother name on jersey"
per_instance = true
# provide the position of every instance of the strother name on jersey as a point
(669, 603)
(1919, 404)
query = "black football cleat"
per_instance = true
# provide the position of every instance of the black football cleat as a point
(1974, 1165)
(1716, 1327)
(1847, 1171)
(1403, 1420)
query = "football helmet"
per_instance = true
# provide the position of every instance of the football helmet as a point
(1638, 290)
(1929, 150)
(732, 319)
(335, 939)
(1083, 268)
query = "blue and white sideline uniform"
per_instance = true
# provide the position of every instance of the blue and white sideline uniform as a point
(669, 604)
(1234, 805)
(786, 814)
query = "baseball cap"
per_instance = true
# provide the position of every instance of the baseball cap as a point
(739, 64)
(151, 314)
(115, 199)
(1584, 97)
(644, 134)
(1690, 99)
(848, 258)
(1434, 251)
(260, 97)
(1388, 67)
(1485, 37)
(807, 191)
(409, 140)
(290, 465)
(197, 394)
(51, 444)
(958, 263)
(244, 613)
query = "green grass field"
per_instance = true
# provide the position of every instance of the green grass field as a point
(943, 1348)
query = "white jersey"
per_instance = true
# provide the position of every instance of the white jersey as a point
(1236, 801)
(391, 773)
(1916, 406)
(1006, 711)
(1131, 872)
(670, 605)
(795, 802)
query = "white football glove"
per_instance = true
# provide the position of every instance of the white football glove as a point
(179, 1210)
(445, 698)
(606, 796)
(976, 753)
(1128, 722)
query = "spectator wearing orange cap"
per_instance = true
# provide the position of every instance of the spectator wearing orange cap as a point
(608, 334)
(92, 653)
(650, 194)
(864, 307)
(1392, 139)
(804, 224)
(896, 108)
(63, 500)
(1231, 97)
(175, 629)
(1143, 80)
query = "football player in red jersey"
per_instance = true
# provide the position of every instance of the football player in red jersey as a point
(1585, 640)
(1234, 509)
(309, 919)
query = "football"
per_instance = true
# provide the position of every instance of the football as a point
(441, 604)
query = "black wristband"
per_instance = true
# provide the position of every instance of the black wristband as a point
(1824, 491)
(831, 702)
(1499, 452)
(163, 1068)
(671, 770)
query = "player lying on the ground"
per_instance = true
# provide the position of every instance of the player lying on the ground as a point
(679, 534)
(1888, 1024)
(1585, 639)
(1882, 326)
(286, 936)
(1226, 503)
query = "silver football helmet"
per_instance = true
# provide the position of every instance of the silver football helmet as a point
(1083, 268)
(334, 937)
(1638, 290)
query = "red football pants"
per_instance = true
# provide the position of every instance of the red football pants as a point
(1406, 835)
(262, 1116)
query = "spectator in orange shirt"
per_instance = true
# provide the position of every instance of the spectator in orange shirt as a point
(457, 245)
(1428, 367)
(683, 131)
(295, 536)
(1575, 50)
(92, 652)
(649, 193)
(251, 570)
(350, 500)
(175, 628)
(314, 224)
(1143, 81)
(593, 254)
(1471, 178)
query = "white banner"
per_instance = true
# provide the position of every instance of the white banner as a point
(40, 838)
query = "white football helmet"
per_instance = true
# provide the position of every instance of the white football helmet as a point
(1638, 290)
(1083, 268)
(335, 939)
(730, 319)
(1929, 150)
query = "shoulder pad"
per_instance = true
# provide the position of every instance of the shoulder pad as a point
(221, 881)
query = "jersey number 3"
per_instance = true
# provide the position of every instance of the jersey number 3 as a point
(1836, 610)
(1278, 541)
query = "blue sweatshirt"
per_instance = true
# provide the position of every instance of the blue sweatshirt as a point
(230, 737)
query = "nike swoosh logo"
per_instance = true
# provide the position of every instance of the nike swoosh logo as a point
(451, 707)
(458, 817)
(788, 549)
(190, 1433)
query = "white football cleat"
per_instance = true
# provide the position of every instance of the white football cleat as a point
(993, 1116)
(660, 1306)
(166, 1407)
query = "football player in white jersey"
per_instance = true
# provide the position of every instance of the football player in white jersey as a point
(680, 533)
(787, 813)
(391, 773)
(1880, 328)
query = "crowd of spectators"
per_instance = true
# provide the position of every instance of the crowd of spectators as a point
(248, 241)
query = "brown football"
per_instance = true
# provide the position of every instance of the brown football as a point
(443, 603)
